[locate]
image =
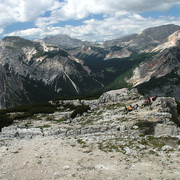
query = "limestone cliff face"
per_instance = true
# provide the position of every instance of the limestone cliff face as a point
(159, 75)
(150, 38)
(172, 41)
(121, 53)
(28, 67)
(160, 65)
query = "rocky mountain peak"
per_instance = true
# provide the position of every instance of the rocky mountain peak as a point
(171, 41)
(160, 33)
(63, 41)
(17, 42)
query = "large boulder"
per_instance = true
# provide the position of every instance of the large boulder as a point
(166, 130)
(119, 95)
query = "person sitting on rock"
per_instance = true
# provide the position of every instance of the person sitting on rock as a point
(148, 101)
(154, 98)
(130, 108)
(135, 106)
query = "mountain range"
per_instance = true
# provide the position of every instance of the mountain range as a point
(60, 66)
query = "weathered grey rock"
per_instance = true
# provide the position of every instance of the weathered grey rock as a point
(165, 104)
(54, 131)
(29, 133)
(121, 128)
(66, 167)
(9, 132)
(165, 130)
(128, 151)
(14, 131)
(57, 175)
(166, 148)
(104, 121)
(158, 116)
(135, 127)
(119, 95)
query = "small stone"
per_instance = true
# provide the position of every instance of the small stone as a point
(166, 148)
(128, 150)
(66, 167)
(135, 127)
(57, 175)
(132, 166)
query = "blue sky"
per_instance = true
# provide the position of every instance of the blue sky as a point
(92, 20)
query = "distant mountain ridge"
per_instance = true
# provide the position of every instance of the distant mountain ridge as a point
(64, 41)
(36, 71)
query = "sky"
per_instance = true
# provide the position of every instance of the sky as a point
(90, 20)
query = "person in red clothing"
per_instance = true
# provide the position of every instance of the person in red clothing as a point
(154, 98)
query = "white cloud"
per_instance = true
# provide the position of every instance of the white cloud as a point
(12, 11)
(80, 9)
(119, 17)
(99, 30)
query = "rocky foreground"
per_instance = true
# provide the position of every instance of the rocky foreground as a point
(104, 143)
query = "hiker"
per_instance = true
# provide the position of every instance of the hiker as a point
(154, 98)
(148, 100)
(130, 108)
(135, 106)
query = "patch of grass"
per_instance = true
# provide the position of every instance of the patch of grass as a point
(123, 119)
(89, 97)
(114, 106)
(110, 146)
(146, 127)
(110, 69)
(24, 115)
(24, 112)
(60, 120)
(80, 110)
(157, 144)
(69, 106)
(5, 120)
(98, 113)
(82, 143)
(50, 118)
(30, 109)
(144, 142)
(176, 117)
(88, 122)
(44, 126)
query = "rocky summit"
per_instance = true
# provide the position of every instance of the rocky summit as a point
(95, 139)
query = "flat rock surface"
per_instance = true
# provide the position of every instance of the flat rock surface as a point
(56, 158)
